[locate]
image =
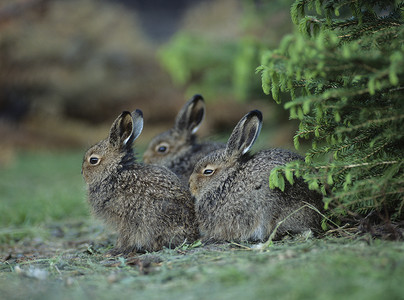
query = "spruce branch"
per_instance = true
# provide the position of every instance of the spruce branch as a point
(345, 76)
(371, 122)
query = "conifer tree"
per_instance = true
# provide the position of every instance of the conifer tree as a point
(344, 71)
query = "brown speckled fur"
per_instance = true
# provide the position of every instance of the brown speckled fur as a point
(235, 201)
(148, 205)
(183, 150)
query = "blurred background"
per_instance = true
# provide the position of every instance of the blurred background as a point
(68, 68)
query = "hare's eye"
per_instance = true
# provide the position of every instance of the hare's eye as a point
(208, 172)
(162, 148)
(209, 169)
(94, 160)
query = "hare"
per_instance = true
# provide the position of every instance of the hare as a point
(177, 148)
(148, 205)
(233, 201)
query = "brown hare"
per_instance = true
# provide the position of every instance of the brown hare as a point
(178, 148)
(147, 205)
(233, 198)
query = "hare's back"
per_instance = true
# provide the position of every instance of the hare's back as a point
(200, 151)
(277, 156)
(208, 147)
(264, 161)
(261, 164)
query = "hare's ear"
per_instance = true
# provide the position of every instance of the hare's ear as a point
(137, 117)
(244, 134)
(123, 131)
(191, 115)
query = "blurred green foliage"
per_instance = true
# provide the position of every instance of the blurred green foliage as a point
(222, 63)
(192, 60)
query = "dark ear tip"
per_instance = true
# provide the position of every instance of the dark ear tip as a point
(197, 97)
(257, 114)
(124, 113)
(138, 112)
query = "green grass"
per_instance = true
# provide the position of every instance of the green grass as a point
(41, 187)
(51, 249)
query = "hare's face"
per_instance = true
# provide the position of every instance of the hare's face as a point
(164, 147)
(210, 172)
(102, 159)
(216, 170)
(97, 161)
